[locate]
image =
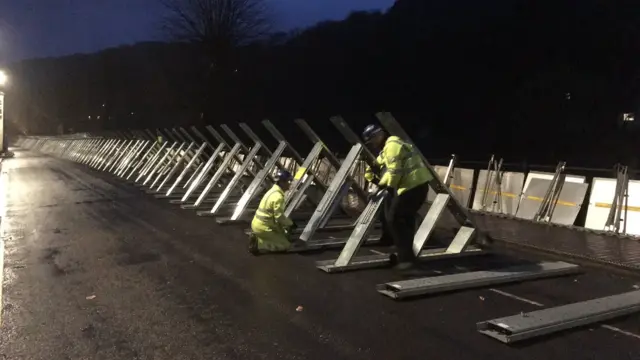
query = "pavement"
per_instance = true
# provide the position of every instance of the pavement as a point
(96, 269)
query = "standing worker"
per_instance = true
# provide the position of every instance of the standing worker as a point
(270, 227)
(406, 178)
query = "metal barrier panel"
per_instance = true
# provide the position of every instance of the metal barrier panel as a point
(461, 183)
(511, 189)
(549, 176)
(601, 199)
(568, 205)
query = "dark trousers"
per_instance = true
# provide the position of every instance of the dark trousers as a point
(399, 219)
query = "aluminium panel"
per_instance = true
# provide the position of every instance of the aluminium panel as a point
(547, 321)
(601, 199)
(511, 190)
(461, 183)
(445, 283)
(549, 176)
(568, 205)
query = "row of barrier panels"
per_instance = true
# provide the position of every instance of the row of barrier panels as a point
(613, 204)
(226, 180)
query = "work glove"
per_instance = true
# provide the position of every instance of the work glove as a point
(293, 226)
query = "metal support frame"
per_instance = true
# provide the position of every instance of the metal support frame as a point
(263, 178)
(237, 182)
(448, 176)
(550, 200)
(177, 159)
(303, 178)
(201, 173)
(444, 199)
(616, 222)
(331, 199)
(303, 175)
(493, 186)
(159, 165)
(220, 172)
(525, 326)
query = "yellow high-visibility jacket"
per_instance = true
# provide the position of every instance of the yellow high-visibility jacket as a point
(269, 223)
(404, 169)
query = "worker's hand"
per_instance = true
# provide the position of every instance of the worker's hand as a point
(293, 226)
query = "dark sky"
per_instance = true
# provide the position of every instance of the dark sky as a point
(35, 28)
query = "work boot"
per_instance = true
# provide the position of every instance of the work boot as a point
(298, 244)
(253, 245)
(408, 268)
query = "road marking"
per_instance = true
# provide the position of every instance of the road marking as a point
(612, 328)
(504, 293)
(608, 327)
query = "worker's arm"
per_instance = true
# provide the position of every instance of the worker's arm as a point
(278, 213)
(372, 175)
(392, 154)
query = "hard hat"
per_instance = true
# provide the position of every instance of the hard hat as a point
(370, 131)
(283, 175)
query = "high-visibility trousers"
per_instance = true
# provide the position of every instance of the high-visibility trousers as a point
(270, 238)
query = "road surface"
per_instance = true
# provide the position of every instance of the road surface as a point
(96, 269)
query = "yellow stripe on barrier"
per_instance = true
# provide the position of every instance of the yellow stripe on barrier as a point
(457, 187)
(507, 194)
(559, 202)
(608, 206)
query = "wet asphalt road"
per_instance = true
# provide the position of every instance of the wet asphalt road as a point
(96, 269)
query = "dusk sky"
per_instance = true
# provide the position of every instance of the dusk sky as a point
(37, 28)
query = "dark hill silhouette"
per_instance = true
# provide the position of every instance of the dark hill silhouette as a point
(543, 80)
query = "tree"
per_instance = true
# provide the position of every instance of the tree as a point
(219, 26)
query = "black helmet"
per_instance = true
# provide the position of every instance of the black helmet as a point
(370, 131)
(283, 175)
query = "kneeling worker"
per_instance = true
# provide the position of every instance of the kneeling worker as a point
(270, 226)
(407, 180)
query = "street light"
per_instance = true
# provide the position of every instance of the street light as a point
(3, 81)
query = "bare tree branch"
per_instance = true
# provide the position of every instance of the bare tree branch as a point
(219, 25)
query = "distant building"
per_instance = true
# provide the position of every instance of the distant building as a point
(628, 121)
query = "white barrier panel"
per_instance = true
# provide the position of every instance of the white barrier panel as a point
(460, 185)
(511, 189)
(567, 207)
(549, 176)
(601, 199)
